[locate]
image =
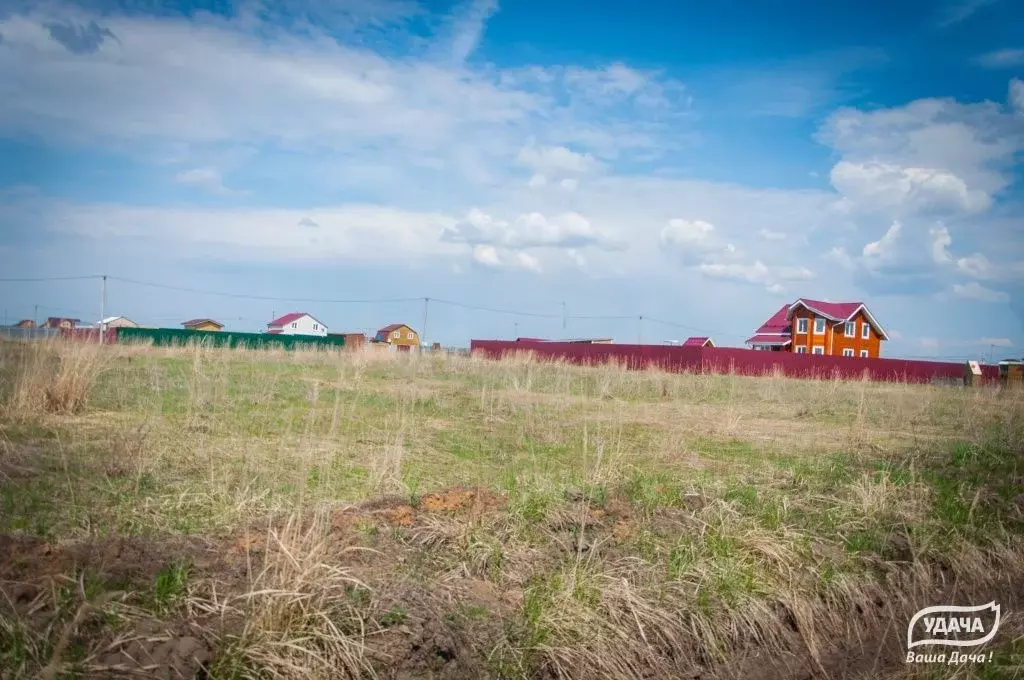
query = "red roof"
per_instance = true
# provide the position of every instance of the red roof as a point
(762, 339)
(778, 323)
(695, 342)
(391, 327)
(287, 319)
(837, 311)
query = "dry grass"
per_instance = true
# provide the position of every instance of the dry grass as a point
(624, 524)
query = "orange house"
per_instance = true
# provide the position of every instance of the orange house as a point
(398, 335)
(845, 329)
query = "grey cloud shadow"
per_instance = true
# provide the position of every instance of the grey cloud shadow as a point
(79, 39)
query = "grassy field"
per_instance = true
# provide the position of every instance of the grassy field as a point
(231, 514)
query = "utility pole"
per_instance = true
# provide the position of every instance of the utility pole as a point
(565, 317)
(991, 350)
(103, 306)
(35, 315)
(516, 334)
(423, 332)
(640, 330)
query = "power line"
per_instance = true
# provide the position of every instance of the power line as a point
(493, 310)
(37, 279)
(265, 298)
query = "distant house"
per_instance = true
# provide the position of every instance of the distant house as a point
(698, 341)
(202, 325)
(118, 322)
(297, 323)
(25, 323)
(61, 322)
(826, 328)
(398, 335)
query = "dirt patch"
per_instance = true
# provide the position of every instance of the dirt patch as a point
(452, 500)
(400, 515)
(154, 650)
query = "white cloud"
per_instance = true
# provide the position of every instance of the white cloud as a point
(976, 265)
(569, 184)
(839, 255)
(893, 189)
(941, 241)
(976, 291)
(556, 160)
(537, 181)
(756, 272)
(469, 27)
(955, 11)
(208, 179)
(769, 235)
(496, 258)
(530, 230)
(1002, 58)
(1017, 96)
(884, 248)
(681, 233)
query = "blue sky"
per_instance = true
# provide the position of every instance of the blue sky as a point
(699, 163)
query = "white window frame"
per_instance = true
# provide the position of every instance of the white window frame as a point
(848, 352)
(295, 324)
(814, 350)
(800, 349)
(864, 354)
(851, 329)
(801, 325)
(408, 336)
(316, 327)
(823, 325)
(396, 334)
(865, 330)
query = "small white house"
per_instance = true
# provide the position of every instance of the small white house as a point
(297, 323)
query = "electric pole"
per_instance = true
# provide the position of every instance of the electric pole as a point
(35, 315)
(103, 306)
(516, 334)
(423, 333)
(565, 317)
(640, 330)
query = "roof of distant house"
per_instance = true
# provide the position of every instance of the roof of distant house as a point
(696, 341)
(392, 327)
(288, 318)
(196, 322)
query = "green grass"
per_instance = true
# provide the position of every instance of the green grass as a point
(629, 500)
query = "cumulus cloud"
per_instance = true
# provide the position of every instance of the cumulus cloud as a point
(556, 160)
(1004, 58)
(497, 258)
(976, 265)
(1017, 96)
(469, 27)
(885, 247)
(890, 188)
(839, 256)
(976, 291)
(530, 230)
(941, 241)
(756, 272)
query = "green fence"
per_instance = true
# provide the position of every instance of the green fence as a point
(179, 336)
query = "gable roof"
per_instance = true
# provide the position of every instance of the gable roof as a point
(766, 339)
(696, 341)
(778, 324)
(838, 311)
(196, 322)
(290, 317)
(393, 327)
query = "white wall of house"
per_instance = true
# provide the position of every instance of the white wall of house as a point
(304, 325)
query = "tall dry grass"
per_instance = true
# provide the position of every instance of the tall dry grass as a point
(52, 376)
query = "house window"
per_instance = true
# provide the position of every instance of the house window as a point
(396, 335)
(847, 352)
(801, 325)
(851, 329)
(408, 336)
(801, 350)
(863, 354)
(818, 349)
(316, 327)
(865, 331)
(295, 324)
(819, 326)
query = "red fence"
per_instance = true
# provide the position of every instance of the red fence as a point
(733, 360)
(89, 335)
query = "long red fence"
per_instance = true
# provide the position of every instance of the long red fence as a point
(733, 360)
